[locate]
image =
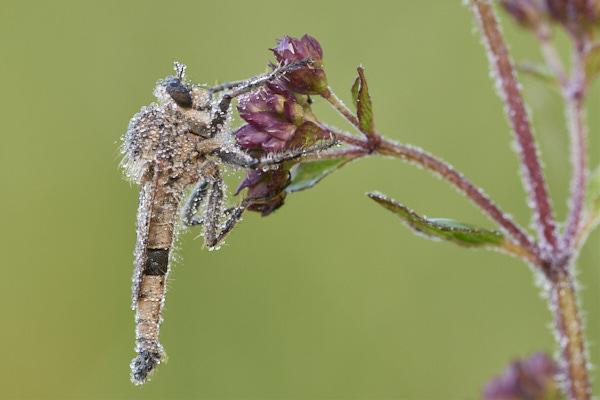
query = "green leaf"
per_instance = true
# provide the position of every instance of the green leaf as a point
(537, 70)
(444, 229)
(592, 62)
(592, 199)
(354, 91)
(306, 174)
(364, 106)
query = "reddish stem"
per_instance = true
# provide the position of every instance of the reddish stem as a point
(574, 94)
(519, 121)
(563, 302)
(363, 146)
(449, 174)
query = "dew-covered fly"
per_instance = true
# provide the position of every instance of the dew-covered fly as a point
(179, 141)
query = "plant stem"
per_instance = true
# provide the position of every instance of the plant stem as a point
(570, 336)
(362, 146)
(445, 170)
(579, 174)
(449, 174)
(519, 121)
(574, 95)
(332, 98)
(556, 264)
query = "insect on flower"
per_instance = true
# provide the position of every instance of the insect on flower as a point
(169, 145)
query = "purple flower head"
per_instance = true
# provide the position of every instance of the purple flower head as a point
(577, 16)
(310, 78)
(279, 120)
(276, 122)
(533, 378)
(289, 50)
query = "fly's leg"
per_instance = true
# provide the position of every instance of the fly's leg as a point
(193, 204)
(210, 191)
(214, 204)
(294, 154)
(223, 107)
(268, 76)
(238, 158)
(241, 159)
(236, 215)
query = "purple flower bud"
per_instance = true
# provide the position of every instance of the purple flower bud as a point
(289, 50)
(526, 12)
(308, 79)
(577, 16)
(265, 184)
(532, 378)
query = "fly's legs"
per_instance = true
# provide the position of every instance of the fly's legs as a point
(240, 88)
(214, 230)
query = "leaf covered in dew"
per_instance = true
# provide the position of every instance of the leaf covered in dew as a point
(444, 229)
(308, 173)
(364, 107)
(592, 62)
(592, 200)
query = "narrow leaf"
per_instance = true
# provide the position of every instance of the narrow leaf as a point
(442, 229)
(354, 91)
(364, 106)
(306, 174)
(592, 62)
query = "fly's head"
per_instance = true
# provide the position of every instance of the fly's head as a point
(169, 132)
(190, 104)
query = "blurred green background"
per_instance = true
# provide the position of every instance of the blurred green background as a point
(330, 297)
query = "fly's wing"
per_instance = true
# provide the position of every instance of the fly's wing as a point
(146, 203)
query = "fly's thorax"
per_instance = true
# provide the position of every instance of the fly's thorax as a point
(169, 132)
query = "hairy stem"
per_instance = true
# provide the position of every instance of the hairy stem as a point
(579, 175)
(331, 97)
(570, 337)
(515, 109)
(556, 264)
(574, 95)
(361, 146)
(449, 174)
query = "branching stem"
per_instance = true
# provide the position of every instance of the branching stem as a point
(557, 254)
(449, 174)
(515, 109)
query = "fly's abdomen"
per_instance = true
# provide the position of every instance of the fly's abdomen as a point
(151, 292)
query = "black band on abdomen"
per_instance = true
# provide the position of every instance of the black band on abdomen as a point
(157, 262)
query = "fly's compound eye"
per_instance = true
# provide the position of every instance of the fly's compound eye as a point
(180, 94)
